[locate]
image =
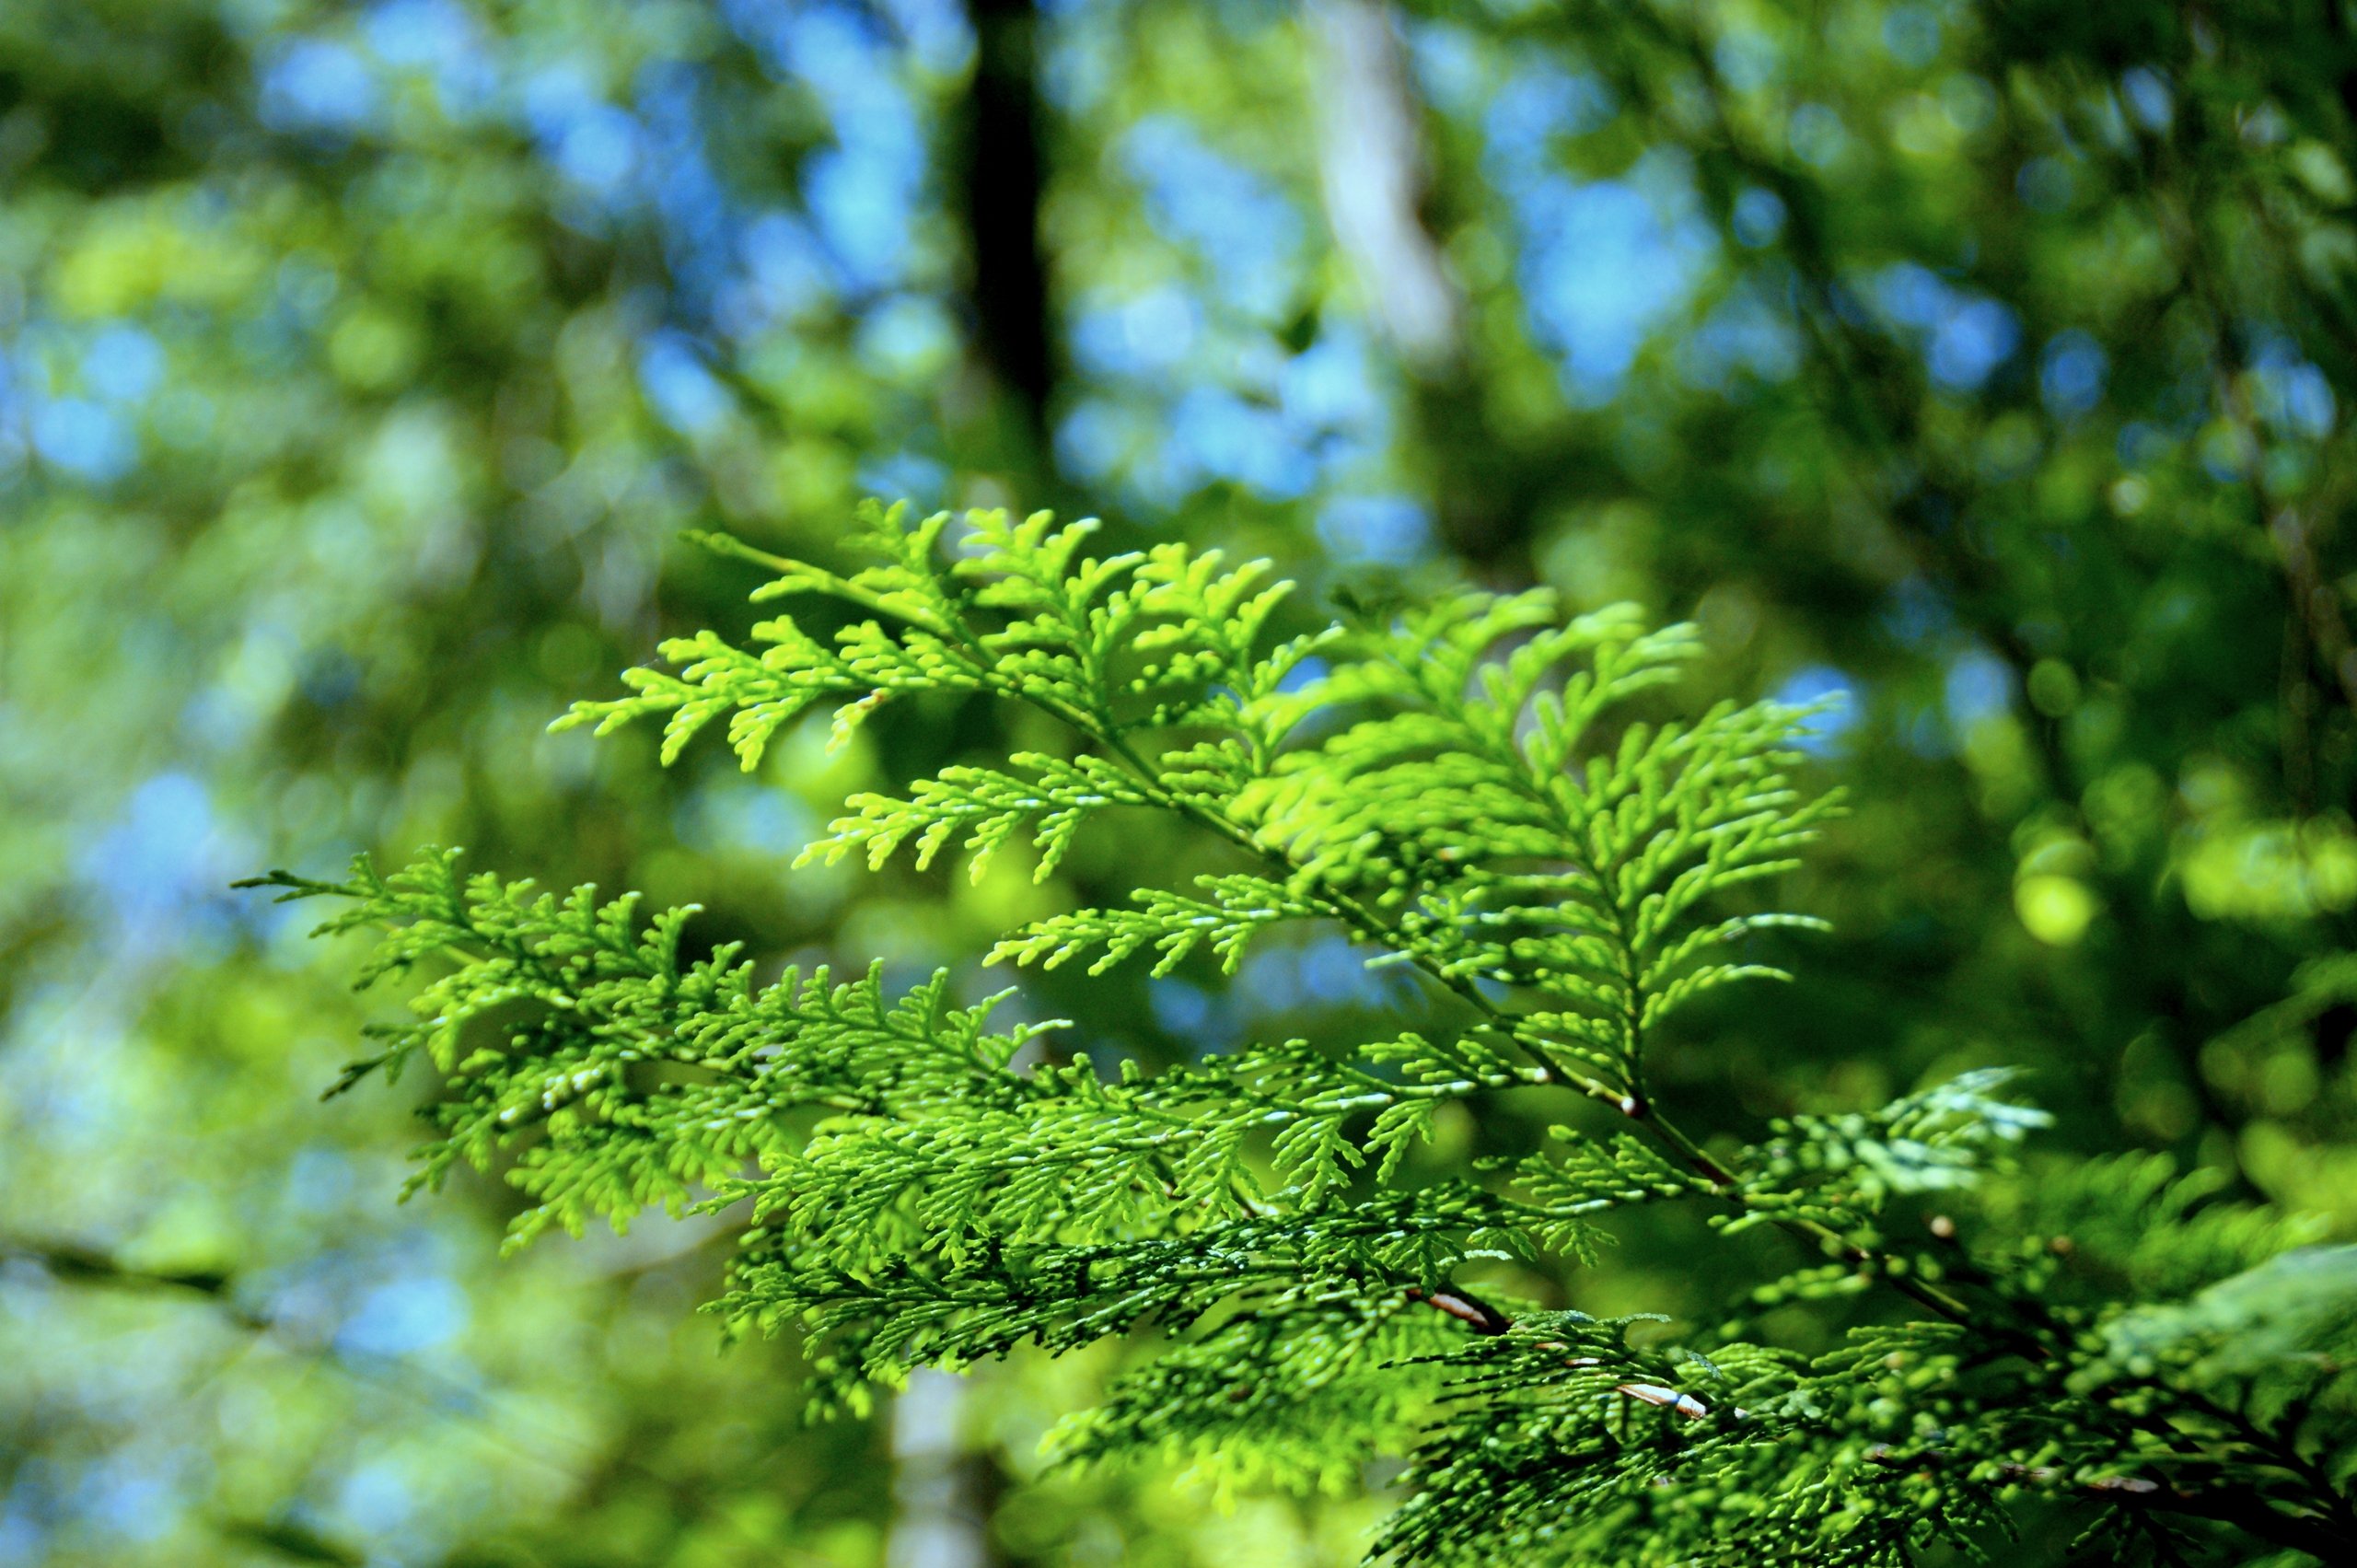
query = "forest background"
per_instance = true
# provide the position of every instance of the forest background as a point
(361, 364)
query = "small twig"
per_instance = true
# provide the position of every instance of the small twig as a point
(86, 1265)
(1483, 1318)
(1466, 1307)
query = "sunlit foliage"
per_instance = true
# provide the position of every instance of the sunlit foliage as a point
(1463, 788)
(1986, 368)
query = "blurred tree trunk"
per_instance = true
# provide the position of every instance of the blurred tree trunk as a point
(1374, 175)
(937, 1505)
(1371, 169)
(1004, 179)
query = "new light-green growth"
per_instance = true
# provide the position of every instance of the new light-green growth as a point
(1462, 788)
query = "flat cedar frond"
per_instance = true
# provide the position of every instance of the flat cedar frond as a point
(987, 806)
(1510, 802)
(1295, 1395)
(1239, 907)
(1843, 1169)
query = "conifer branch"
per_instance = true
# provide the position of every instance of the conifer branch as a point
(1466, 788)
